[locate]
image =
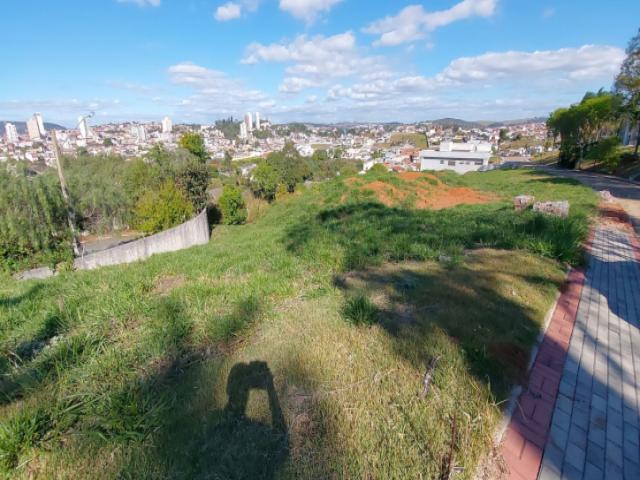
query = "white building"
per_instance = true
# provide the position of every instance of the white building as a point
(33, 128)
(243, 130)
(167, 125)
(459, 157)
(38, 117)
(12, 133)
(140, 133)
(85, 132)
(305, 150)
(257, 120)
(248, 121)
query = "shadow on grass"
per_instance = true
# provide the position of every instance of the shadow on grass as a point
(17, 300)
(194, 439)
(371, 233)
(418, 304)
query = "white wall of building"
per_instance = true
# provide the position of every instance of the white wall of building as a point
(459, 166)
(12, 132)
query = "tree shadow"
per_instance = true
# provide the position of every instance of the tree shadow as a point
(371, 232)
(416, 304)
(17, 300)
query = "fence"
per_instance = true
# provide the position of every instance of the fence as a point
(193, 232)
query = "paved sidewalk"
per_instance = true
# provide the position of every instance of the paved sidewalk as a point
(627, 193)
(595, 427)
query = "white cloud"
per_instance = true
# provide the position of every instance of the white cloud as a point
(228, 11)
(142, 3)
(492, 85)
(307, 10)
(566, 64)
(413, 22)
(548, 12)
(214, 92)
(314, 61)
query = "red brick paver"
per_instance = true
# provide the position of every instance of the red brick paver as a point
(527, 433)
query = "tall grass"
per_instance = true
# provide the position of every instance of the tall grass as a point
(105, 373)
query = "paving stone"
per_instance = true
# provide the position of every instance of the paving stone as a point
(578, 437)
(595, 455)
(613, 454)
(595, 430)
(564, 403)
(575, 455)
(592, 472)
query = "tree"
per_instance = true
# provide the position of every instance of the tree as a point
(628, 85)
(193, 178)
(504, 135)
(264, 181)
(232, 206)
(228, 160)
(378, 168)
(164, 208)
(33, 220)
(194, 143)
(582, 125)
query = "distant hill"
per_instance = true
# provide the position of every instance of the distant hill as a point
(22, 126)
(451, 122)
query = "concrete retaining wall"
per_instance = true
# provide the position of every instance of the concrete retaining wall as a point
(193, 232)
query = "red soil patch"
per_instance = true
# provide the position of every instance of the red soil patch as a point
(433, 197)
(385, 193)
(412, 176)
(445, 197)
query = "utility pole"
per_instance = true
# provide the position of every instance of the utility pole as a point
(71, 214)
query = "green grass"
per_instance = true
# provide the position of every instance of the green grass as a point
(293, 347)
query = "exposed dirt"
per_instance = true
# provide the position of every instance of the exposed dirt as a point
(385, 193)
(426, 195)
(614, 216)
(164, 285)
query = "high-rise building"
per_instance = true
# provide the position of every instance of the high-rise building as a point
(248, 122)
(12, 132)
(257, 120)
(140, 133)
(33, 128)
(167, 125)
(84, 128)
(243, 130)
(38, 116)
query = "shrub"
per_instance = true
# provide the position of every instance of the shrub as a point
(378, 168)
(281, 192)
(606, 151)
(193, 178)
(162, 209)
(359, 310)
(33, 221)
(194, 143)
(232, 206)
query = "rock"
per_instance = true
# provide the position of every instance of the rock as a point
(35, 274)
(556, 209)
(606, 196)
(523, 201)
(445, 259)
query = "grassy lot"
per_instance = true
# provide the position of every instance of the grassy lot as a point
(293, 347)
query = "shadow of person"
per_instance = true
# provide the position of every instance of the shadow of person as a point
(248, 448)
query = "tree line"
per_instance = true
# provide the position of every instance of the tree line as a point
(590, 129)
(150, 194)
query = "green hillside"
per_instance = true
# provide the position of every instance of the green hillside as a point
(294, 346)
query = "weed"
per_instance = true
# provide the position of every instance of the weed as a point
(359, 310)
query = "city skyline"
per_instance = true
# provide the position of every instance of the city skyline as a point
(308, 60)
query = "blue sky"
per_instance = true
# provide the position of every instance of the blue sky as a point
(308, 60)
